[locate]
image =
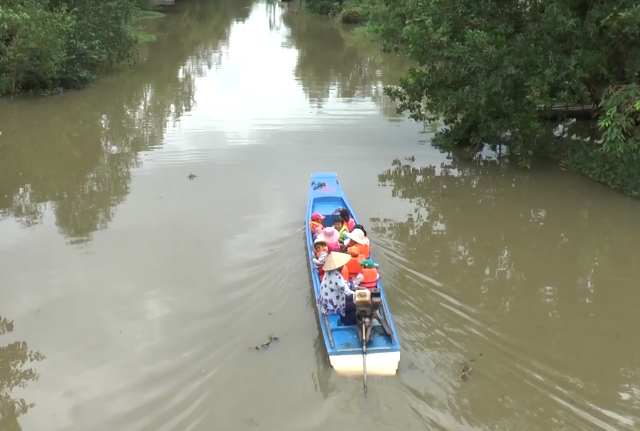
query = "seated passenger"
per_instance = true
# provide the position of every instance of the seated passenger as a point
(344, 213)
(357, 238)
(330, 237)
(334, 288)
(366, 238)
(370, 274)
(354, 264)
(341, 227)
(322, 251)
(315, 224)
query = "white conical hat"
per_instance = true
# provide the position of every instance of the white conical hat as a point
(336, 260)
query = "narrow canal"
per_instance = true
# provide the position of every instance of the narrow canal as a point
(142, 291)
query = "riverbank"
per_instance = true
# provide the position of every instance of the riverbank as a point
(458, 81)
(47, 47)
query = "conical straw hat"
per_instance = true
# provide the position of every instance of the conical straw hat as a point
(336, 260)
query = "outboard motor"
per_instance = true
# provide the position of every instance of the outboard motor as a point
(367, 304)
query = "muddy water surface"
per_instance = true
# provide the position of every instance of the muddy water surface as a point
(146, 290)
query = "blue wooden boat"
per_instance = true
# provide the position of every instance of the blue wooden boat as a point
(342, 342)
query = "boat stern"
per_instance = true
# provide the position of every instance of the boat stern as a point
(378, 364)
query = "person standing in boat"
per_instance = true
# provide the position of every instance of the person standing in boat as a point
(334, 288)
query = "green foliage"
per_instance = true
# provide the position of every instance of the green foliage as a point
(620, 121)
(32, 52)
(323, 7)
(616, 161)
(351, 15)
(484, 70)
(51, 44)
(350, 11)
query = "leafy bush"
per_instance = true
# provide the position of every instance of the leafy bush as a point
(351, 16)
(486, 68)
(323, 7)
(51, 44)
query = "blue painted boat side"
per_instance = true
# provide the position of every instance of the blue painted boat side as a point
(339, 339)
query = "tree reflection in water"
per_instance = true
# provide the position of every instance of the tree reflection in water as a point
(73, 154)
(13, 358)
(486, 220)
(331, 60)
(540, 258)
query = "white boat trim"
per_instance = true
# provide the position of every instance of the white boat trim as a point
(378, 364)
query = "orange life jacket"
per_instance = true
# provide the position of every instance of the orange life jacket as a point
(345, 273)
(353, 267)
(314, 226)
(364, 249)
(370, 278)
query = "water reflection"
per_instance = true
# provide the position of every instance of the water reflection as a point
(73, 154)
(322, 376)
(333, 61)
(461, 210)
(504, 260)
(13, 374)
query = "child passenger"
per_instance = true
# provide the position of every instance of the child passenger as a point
(358, 239)
(331, 238)
(339, 225)
(344, 213)
(315, 224)
(354, 264)
(350, 223)
(369, 274)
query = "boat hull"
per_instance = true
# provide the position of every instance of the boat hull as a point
(342, 343)
(378, 364)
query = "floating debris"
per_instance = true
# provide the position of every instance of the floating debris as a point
(191, 176)
(266, 345)
(466, 369)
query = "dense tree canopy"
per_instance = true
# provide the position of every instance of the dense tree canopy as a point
(50, 44)
(485, 68)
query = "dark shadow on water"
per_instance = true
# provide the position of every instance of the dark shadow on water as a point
(14, 357)
(73, 154)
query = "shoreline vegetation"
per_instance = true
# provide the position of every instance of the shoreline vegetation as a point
(48, 46)
(487, 70)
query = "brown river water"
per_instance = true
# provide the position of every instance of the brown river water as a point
(145, 291)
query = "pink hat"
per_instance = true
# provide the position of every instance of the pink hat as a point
(329, 235)
(317, 216)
